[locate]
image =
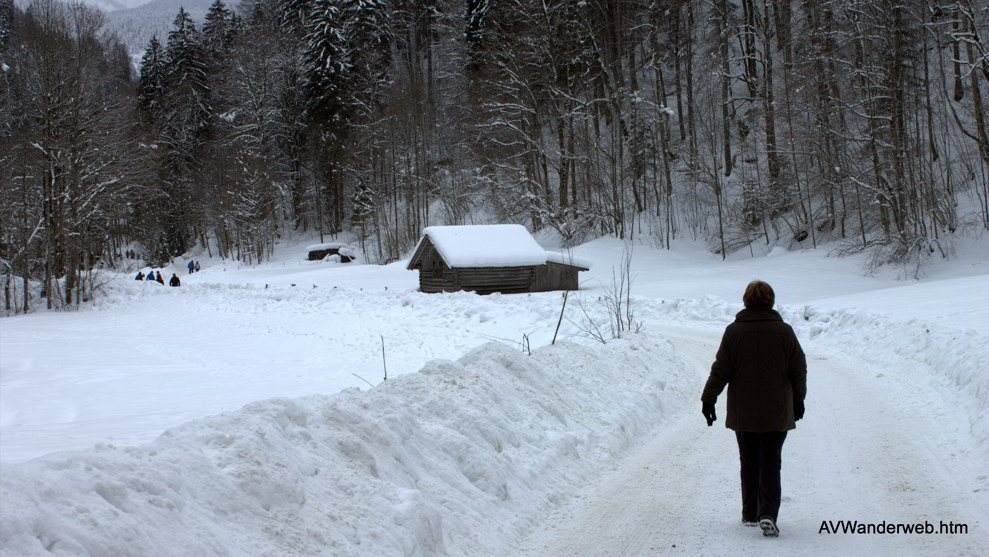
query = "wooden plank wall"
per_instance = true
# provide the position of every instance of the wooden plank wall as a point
(553, 276)
(437, 281)
(509, 280)
(430, 259)
(495, 279)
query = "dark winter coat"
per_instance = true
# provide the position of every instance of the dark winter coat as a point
(174, 281)
(761, 362)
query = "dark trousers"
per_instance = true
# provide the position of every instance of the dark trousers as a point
(761, 457)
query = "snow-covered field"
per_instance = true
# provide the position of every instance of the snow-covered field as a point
(235, 415)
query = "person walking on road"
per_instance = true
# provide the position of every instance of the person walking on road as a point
(762, 364)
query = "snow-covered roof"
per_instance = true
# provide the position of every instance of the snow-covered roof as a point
(568, 259)
(327, 245)
(485, 245)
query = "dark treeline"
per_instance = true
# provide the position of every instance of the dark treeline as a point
(793, 122)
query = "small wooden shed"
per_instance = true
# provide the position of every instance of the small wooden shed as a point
(490, 258)
(318, 251)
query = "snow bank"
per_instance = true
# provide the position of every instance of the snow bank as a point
(952, 361)
(454, 460)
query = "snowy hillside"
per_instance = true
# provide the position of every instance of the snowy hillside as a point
(136, 25)
(114, 5)
(234, 416)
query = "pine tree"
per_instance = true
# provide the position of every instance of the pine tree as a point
(325, 60)
(293, 15)
(6, 23)
(477, 11)
(151, 84)
(362, 207)
(219, 29)
(185, 124)
(187, 89)
(367, 41)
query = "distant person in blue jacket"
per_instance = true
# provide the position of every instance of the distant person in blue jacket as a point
(192, 267)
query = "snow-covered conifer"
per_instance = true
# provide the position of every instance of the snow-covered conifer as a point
(6, 23)
(219, 28)
(151, 84)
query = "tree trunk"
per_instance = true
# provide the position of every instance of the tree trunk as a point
(772, 157)
(725, 87)
(678, 48)
(957, 55)
(978, 111)
(691, 125)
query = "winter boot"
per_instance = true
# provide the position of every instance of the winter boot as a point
(768, 526)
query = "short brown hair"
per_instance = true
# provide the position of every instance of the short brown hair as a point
(759, 295)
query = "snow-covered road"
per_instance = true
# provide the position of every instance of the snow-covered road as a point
(859, 455)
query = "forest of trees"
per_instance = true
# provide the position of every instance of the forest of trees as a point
(861, 122)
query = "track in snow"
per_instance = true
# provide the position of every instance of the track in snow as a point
(856, 456)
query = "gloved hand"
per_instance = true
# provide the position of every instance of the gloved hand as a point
(798, 409)
(707, 408)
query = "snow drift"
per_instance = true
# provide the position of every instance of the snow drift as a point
(429, 463)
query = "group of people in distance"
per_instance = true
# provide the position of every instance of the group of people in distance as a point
(156, 276)
(174, 281)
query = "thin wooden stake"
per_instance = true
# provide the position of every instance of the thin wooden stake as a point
(566, 293)
(384, 363)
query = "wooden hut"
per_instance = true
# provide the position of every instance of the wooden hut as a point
(318, 251)
(490, 258)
